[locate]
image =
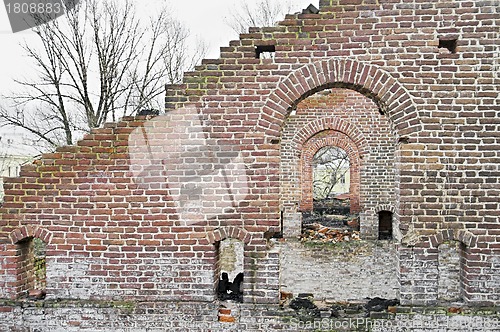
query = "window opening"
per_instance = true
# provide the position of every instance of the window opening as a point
(331, 168)
(265, 51)
(331, 219)
(230, 270)
(32, 268)
(385, 225)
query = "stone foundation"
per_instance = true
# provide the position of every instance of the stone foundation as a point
(68, 316)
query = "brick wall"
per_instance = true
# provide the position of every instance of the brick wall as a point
(135, 209)
(350, 271)
(196, 316)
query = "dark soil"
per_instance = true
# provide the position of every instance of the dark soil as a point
(332, 213)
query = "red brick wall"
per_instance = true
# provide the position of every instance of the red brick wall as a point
(117, 234)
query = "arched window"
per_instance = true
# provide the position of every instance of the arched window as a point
(32, 268)
(229, 270)
(331, 186)
(331, 173)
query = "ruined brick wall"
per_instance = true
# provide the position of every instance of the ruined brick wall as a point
(343, 118)
(135, 210)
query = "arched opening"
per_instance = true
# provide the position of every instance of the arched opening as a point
(331, 173)
(385, 225)
(31, 267)
(229, 270)
(450, 267)
(330, 170)
(331, 186)
(337, 120)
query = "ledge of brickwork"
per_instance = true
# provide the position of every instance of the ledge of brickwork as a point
(87, 315)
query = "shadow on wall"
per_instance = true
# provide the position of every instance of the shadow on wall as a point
(205, 177)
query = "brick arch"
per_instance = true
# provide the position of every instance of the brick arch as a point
(384, 207)
(311, 147)
(468, 244)
(23, 267)
(229, 232)
(336, 124)
(28, 231)
(373, 82)
(460, 235)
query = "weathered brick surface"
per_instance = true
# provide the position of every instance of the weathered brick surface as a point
(161, 316)
(348, 271)
(124, 216)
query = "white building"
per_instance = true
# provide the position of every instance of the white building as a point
(15, 151)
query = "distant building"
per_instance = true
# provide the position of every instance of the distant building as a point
(323, 179)
(15, 151)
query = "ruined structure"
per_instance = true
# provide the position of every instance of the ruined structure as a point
(133, 216)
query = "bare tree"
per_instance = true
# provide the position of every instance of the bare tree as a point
(330, 166)
(265, 13)
(97, 63)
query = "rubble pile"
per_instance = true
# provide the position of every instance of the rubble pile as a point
(321, 234)
(333, 213)
(306, 307)
(340, 205)
(378, 304)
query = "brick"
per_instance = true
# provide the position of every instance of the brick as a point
(227, 319)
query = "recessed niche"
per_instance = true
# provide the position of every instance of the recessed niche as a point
(449, 44)
(265, 51)
(230, 270)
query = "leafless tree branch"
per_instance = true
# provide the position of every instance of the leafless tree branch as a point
(265, 13)
(330, 165)
(97, 63)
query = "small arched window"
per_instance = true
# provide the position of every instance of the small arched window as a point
(229, 270)
(331, 173)
(32, 268)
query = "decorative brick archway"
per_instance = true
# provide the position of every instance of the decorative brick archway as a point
(28, 231)
(369, 80)
(311, 147)
(229, 232)
(330, 123)
(23, 262)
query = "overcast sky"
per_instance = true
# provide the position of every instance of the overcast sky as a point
(204, 18)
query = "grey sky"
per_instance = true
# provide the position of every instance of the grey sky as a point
(205, 19)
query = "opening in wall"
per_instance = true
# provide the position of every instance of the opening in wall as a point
(385, 225)
(265, 51)
(229, 270)
(332, 217)
(448, 43)
(450, 263)
(330, 173)
(32, 268)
